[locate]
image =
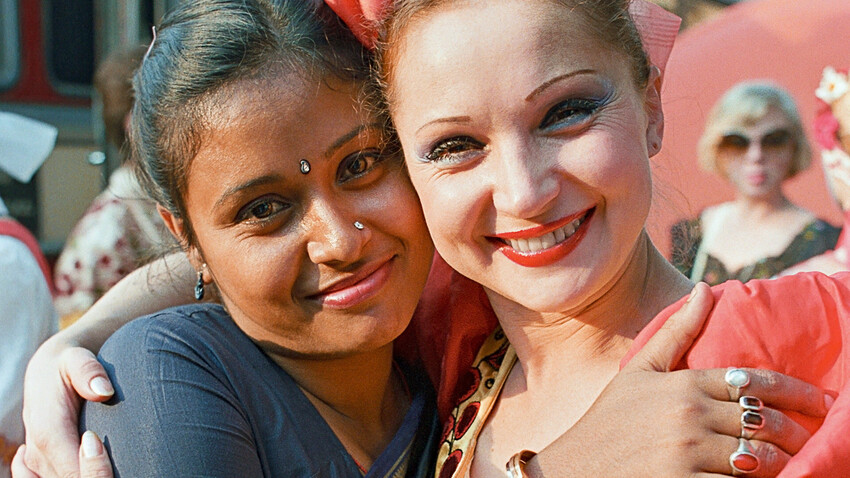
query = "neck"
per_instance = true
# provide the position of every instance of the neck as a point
(761, 206)
(360, 396)
(602, 329)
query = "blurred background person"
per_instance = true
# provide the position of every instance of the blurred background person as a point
(121, 229)
(832, 135)
(754, 139)
(27, 317)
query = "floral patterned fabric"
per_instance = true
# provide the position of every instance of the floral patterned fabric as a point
(120, 230)
(483, 383)
(816, 238)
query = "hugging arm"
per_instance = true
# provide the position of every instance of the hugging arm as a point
(653, 422)
(64, 370)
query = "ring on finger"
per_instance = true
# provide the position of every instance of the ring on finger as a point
(749, 402)
(751, 422)
(736, 380)
(744, 459)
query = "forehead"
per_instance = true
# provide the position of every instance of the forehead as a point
(766, 120)
(257, 122)
(513, 41)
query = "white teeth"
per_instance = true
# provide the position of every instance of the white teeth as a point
(547, 240)
(521, 245)
(560, 235)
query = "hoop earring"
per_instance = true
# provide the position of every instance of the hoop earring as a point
(199, 286)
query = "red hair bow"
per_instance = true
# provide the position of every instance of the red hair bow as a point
(658, 27)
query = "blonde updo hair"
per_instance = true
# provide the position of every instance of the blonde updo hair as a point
(745, 104)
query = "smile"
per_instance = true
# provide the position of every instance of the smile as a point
(546, 244)
(356, 289)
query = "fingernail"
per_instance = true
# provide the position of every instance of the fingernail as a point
(91, 445)
(828, 400)
(101, 386)
(692, 294)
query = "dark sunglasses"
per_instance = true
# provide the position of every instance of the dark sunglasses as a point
(776, 139)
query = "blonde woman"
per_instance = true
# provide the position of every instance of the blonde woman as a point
(753, 139)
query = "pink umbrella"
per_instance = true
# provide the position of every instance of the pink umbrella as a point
(786, 41)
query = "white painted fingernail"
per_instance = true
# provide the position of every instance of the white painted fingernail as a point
(101, 386)
(691, 296)
(91, 445)
(828, 401)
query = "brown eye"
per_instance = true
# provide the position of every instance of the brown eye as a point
(262, 209)
(358, 164)
(450, 150)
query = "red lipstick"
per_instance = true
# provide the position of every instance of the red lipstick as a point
(552, 254)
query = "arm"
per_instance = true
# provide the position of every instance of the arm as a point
(691, 427)
(51, 401)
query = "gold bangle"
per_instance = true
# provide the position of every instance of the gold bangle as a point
(515, 467)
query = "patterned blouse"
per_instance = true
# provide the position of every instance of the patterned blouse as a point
(816, 238)
(120, 230)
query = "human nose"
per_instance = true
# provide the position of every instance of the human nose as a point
(524, 185)
(335, 235)
(754, 153)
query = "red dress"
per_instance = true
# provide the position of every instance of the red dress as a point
(797, 325)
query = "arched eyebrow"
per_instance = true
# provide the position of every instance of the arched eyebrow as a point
(342, 140)
(552, 81)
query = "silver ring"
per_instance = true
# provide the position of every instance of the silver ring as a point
(749, 402)
(744, 459)
(358, 225)
(736, 379)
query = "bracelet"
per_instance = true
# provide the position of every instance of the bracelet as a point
(515, 467)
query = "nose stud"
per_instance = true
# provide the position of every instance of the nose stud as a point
(305, 166)
(358, 225)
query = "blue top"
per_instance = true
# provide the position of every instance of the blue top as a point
(195, 396)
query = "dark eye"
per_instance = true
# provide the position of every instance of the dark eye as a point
(453, 150)
(734, 142)
(569, 112)
(261, 210)
(358, 164)
(776, 139)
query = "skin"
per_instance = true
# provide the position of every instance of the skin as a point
(321, 298)
(633, 389)
(567, 131)
(761, 222)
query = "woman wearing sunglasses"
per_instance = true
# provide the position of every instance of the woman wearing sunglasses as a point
(755, 140)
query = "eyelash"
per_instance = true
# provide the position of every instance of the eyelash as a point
(576, 111)
(567, 113)
(375, 155)
(248, 213)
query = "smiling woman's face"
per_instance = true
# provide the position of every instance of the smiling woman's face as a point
(528, 144)
(281, 246)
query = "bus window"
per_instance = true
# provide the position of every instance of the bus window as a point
(9, 43)
(70, 45)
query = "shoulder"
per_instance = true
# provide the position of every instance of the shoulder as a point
(193, 330)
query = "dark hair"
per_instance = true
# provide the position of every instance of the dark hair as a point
(610, 19)
(205, 46)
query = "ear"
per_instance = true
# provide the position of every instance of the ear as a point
(176, 226)
(655, 115)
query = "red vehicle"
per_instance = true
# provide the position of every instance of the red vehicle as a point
(48, 52)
